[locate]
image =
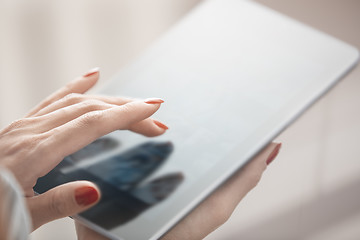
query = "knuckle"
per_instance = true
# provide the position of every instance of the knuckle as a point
(131, 115)
(91, 118)
(219, 211)
(126, 108)
(29, 142)
(57, 204)
(129, 99)
(254, 178)
(131, 110)
(73, 98)
(223, 217)
(20, 123)
(69, 86)
(45, 103)
(92, 105)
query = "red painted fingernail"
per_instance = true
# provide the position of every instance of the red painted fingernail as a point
(86, 195)
(91, 72)
(273, 154)
(153, 100)
(161, 125)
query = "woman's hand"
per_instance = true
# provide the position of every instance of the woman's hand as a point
(62, 124)
(217, 208)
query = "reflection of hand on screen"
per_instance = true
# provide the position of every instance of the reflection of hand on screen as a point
(95, 148)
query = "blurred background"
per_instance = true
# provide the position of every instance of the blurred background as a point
(311, 191)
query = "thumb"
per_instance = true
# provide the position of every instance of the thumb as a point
(64, 200)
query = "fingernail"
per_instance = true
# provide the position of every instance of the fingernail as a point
(273, 154)
(161, 125)
(153, 100)
(86, 195)
(91, 72)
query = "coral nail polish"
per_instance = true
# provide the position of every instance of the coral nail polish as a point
(86, 195)
(161, 125)
(91, 72)
(153, 100)
(273, 154)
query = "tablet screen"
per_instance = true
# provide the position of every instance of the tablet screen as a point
(233, 75)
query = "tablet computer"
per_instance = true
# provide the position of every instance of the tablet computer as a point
(234, 74)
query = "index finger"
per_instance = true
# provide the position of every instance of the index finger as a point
(78, 133)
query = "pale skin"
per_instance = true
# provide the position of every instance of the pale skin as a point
(70, 119)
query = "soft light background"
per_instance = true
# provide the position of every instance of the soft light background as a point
(312, 190)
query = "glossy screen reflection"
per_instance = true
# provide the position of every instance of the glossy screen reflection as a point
(120, 176)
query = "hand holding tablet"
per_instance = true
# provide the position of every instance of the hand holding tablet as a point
(216, 209)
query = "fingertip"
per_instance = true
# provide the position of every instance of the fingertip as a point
(161, 125)
(92, 72)
(87, 194)
(154, 100)
(155, 133)
(147, 128)
(265, 157)
(85, 82)
(273, 154)
(142, 110)
(81, 84)
(64, 200)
